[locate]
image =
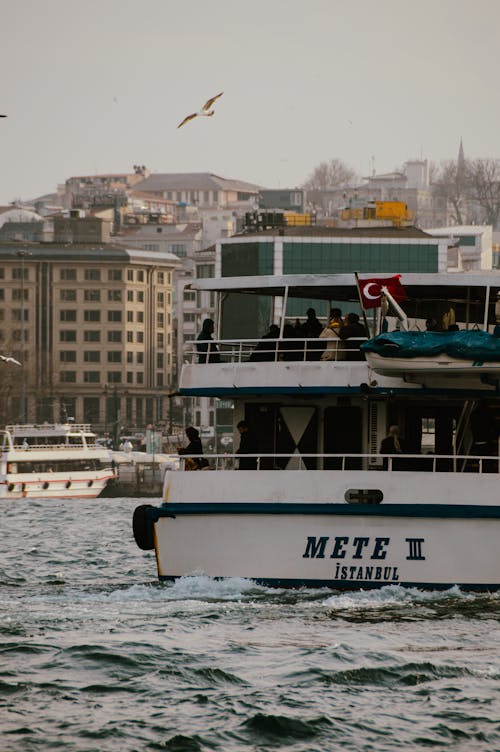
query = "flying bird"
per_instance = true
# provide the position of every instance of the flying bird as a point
(3, 115)
(205, 110)
(10, 360)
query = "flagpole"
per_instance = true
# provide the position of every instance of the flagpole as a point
(401, 314)
(356, 277)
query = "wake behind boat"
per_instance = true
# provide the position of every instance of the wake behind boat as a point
(60, 460)
(326, 504)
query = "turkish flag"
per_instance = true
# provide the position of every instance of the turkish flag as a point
(371, 290)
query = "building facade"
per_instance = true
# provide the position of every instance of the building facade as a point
(92, 328)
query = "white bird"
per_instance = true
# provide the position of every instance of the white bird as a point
(10, 360)
(205, 110)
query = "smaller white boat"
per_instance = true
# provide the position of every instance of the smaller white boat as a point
(53, 460)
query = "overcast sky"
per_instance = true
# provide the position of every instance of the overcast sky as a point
(95, 86)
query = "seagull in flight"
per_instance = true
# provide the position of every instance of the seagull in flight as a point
(205, 110)
(3, 115)
(10, 360)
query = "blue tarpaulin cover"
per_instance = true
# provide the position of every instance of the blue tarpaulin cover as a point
(468, 345)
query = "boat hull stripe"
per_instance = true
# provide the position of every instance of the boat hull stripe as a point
(445, 511)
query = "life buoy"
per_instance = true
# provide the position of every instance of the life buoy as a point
(142, 525)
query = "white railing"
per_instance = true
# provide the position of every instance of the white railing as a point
(272, 350)
(432, 463)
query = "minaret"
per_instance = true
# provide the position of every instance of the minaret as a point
(460, 161)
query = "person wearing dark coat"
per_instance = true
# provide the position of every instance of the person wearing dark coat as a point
(193, 451)
(207, 353)
(392, 444)
(248, 445)
(353, 328)
(266, 350)
(311, 329)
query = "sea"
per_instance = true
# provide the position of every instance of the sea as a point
(97, 656)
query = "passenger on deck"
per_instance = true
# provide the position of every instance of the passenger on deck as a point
(392, 444)
(194, 449)
(266, 350)
(208, 351)
(248, 445)
(331, 333)
(311, 329)
(290, 350)
(353, 329)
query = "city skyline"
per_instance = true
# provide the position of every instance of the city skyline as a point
(97, 87)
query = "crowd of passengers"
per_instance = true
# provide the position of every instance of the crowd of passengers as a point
(332, 340)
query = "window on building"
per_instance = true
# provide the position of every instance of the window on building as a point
(160, 298)
(67, 356)
(19, 334)
(114, 316)
(140, 337)
(114, 377)
(23, 295)
(189, 295)
(160, 320)
(140, 275)
(140, 317)
(67, 315)
(67, 275)
(130, 275)
(179, 249)
(130, 357)
(91, 356)
(20, 273)
(130, 296)
(114, 336)
(67, 335)
(130, 315)
(68, 295)
(205, 271)
(92, 275)
(91, 377)
(67, 377)
(114, 296)
(160, 339)
(140, 296)
(140, 377)
(140, 357)
(130, 336)
(159, 360)
(139, 410)
(159, 379)
(130, 377)
(114, 356)
(91, 410)
(92, 335)
(189, 317)
(92, 316)
(160, 276)
(114, 275)
(92, 296)
(2, 294)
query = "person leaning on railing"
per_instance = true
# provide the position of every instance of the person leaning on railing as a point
(208, 352)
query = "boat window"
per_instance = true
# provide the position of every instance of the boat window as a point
(363, 496)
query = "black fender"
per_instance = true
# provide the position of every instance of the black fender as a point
(142, 526)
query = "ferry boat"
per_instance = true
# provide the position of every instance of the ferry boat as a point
(324, 507)
(52, 461)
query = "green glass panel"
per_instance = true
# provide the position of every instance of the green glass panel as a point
(242, 259)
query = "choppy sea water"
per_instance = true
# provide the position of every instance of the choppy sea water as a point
(97, 656)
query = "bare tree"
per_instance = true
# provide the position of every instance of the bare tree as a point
(483, 178)
(328, 175)
(450, 183)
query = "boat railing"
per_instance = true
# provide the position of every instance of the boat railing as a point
(432, 463)
(273, 350)
(26, 429)
(26, 446)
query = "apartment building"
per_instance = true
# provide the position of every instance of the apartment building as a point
(92, 326)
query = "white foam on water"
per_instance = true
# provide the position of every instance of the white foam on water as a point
(392, 595)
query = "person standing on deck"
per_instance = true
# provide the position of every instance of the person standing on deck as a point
(248, 445)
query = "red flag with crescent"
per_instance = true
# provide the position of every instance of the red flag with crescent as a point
(371, 290)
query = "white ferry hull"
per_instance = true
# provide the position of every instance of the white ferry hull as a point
(24, 486)
(428, 532)
(332, 550)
